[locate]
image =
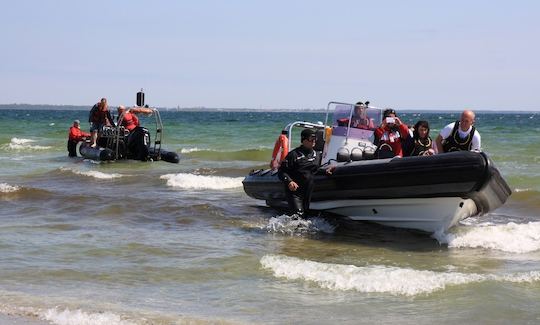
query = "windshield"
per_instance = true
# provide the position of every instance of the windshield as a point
(361, 121)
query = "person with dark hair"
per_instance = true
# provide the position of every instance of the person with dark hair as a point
(421, 143)
(297, 171)
(390, 135)
(460, 135)
(75, 135)
(99, 117)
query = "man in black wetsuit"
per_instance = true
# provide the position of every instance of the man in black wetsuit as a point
(296, 172)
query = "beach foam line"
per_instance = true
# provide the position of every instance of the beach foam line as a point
(200, 182)
(518, 190)
(188, 150)
(25, 144)
(92, 173)
(6, 188)
(284, 224)
(379, 278)
(511, 237)
(69, 317)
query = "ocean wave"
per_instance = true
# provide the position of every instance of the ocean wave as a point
(379, 278)
(200, 182)
(287, 225)
(66, 317)
(188, 150)
(511, 237)
(24, 144)
(519, 190)
(92, 173)
(6, 188)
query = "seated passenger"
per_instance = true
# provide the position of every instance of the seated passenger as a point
(75, 135)
(360, 119)
(390, 135)
(420, 142)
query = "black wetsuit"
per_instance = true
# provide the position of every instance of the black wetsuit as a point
(299, 166)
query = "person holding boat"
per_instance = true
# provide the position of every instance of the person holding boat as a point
(297, 171)
(99, 117)
(390, 135)
(460, 135)
(75, 135)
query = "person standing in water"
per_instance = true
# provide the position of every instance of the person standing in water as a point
(75, 135)
(297, 171)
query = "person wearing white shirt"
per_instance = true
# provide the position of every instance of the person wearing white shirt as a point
(460, 135)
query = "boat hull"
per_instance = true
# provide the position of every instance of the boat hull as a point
(426, 193)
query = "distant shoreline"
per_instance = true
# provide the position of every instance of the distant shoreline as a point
(38, 107)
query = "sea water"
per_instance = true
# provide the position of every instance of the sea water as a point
(158, 243)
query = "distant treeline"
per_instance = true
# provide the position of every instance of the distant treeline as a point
(45, 107)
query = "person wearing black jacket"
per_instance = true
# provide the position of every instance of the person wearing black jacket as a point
(296, 172)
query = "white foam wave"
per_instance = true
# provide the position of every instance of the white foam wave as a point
(285, 224)
(369, 279)
(201, 182)
(70, 317)
(518, 190)
(6, 188)
(379, 278)
(25, 144)
(93, 173)
(188, 150)
(511, 237)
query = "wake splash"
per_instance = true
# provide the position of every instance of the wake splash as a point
(511, 237)
(92, 173)
(287, 225)
(200, 182)
(24, 144)
(6, 188)
(379, 278)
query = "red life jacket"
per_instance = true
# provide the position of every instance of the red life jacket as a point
(393, 139)
(130, 121)
(75, 134)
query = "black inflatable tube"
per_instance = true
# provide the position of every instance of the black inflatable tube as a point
(165, 155)
(97, 153)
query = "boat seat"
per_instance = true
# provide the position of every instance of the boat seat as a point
(319, 140)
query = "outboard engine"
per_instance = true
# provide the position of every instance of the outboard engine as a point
(139, 144)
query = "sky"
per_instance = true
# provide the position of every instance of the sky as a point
(482, 55)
